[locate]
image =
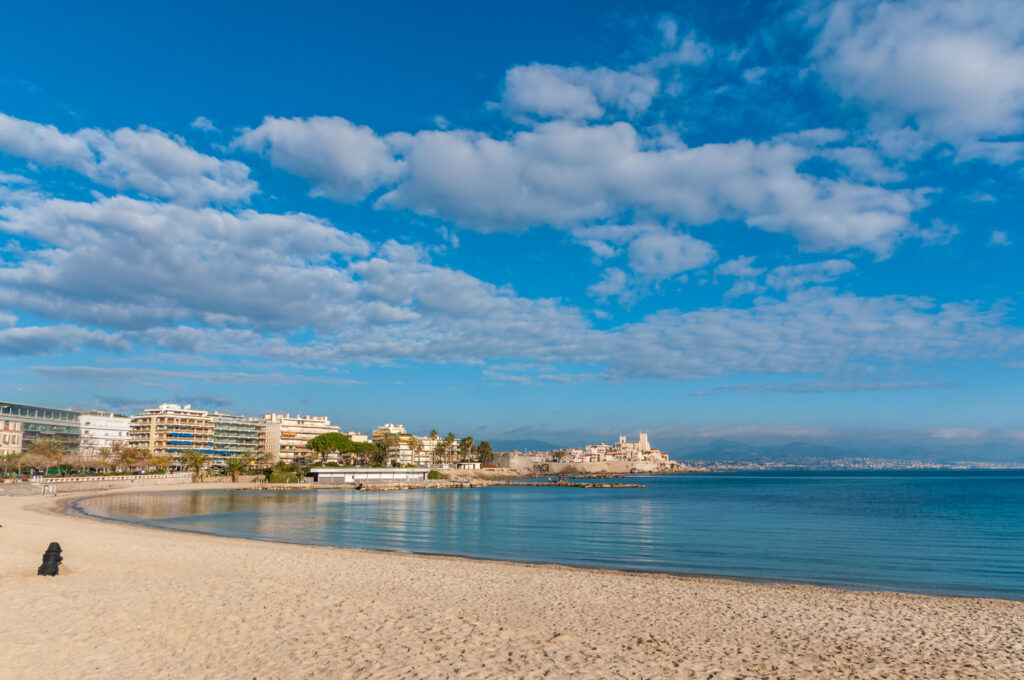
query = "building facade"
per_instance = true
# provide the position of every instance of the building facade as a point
(283, 437)
(10, 437)
(102, 431)
(234, 435)
(172, 430)
(41, 423)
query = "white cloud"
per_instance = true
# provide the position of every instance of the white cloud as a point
(740, 266)
(561, 173)
(657, 256)
(345, 161)
(28, 340)
(952, 69)
(203, 123)
(800, 275)
(550, 91)
(144, 160)
(613, 282)
(999, 238)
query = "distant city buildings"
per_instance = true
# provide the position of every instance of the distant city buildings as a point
(174, 431)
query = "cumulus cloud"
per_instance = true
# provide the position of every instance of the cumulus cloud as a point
(344, 160)
(145, 160)
(952, 70)
(549, 91)
(663, 255)
(127, 263)
(565, 174)
(203, 123)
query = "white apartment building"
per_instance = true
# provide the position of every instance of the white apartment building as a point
(10, 437)
(283, 437)
(102, 430)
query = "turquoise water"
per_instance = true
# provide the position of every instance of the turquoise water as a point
(959, 533)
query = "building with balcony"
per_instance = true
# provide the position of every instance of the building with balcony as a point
(41, 423)
(10, 437)
(172, 430)
(283, 437)
(102, 431)
(234, 435)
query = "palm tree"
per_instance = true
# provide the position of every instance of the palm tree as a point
(466, 448)
(235, 465)
(449, 446)
(195, 461)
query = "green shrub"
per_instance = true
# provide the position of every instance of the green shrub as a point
(434, 474)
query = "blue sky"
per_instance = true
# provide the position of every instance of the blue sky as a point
(520, 221)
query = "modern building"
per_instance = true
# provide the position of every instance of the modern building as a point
(103, 430)
(10, 437)
(40, 423)
(234, 435)
(172, 430)
(282, 437)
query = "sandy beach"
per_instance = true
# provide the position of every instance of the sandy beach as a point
(134, 602)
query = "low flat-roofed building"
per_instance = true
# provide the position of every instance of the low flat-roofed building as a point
(361, 475)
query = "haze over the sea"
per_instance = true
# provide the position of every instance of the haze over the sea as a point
(750, 222)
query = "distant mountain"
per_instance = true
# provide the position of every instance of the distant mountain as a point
(814, 454)
(521, 445)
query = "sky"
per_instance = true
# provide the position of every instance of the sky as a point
(523, 221)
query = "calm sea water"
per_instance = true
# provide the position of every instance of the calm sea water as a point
(958, 533)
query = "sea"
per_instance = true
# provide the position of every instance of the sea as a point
(958, 533)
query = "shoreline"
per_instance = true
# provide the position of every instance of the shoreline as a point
(133, 601)
(70, 508)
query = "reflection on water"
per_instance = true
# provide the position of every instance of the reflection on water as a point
(944, 533)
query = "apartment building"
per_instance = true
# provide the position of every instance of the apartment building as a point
(40, 422)
(172, 430)
(234, 435)
(413, 450)
(283, 437)
(10, 437)
(102, 430)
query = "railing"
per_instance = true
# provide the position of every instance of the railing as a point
(107, 478)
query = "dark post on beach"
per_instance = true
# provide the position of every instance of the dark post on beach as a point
(51, 561)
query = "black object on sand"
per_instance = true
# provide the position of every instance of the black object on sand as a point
(51, 561)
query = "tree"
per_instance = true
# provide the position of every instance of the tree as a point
(10, 459)
(161, 462)
(486, 452)
(236, 465)
(449, 446)
(466, 448)
(385, 445)
(347, 449)
(195, 460)
(45, 452)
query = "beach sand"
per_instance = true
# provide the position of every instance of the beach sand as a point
(133, 602)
